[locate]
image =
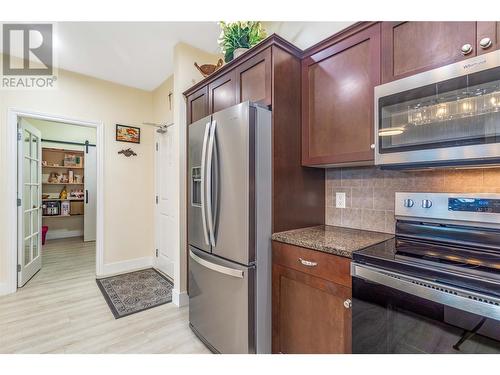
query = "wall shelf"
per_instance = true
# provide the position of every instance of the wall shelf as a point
(61, 200)
(62, 183)
(57, 156)
(60, 167)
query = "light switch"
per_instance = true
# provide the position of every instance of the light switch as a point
(340, 200)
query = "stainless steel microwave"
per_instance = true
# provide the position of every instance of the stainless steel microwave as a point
(443, 117)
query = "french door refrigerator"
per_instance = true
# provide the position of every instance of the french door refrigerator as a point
(229, 229)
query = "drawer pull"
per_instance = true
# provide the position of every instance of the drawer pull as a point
(308, 263)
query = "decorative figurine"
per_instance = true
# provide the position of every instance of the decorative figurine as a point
(207, 69)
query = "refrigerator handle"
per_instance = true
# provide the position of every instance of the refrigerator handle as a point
(203, 183)
(210, 158)
(216, 267)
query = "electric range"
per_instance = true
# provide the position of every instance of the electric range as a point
(435, 287)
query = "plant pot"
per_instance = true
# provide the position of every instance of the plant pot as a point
(239, 51)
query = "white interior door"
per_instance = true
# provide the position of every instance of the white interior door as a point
(29, 213)
(90, 179)
(165, 223)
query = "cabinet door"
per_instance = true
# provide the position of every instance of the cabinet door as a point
(253, 79)
(337, 100)
(412, 47)
(309, 315)
(222, 93)
(488, 37)
(197, 105)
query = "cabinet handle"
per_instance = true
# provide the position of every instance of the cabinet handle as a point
(485, 43)
(466, 49)
(308, 263)
(347, 303)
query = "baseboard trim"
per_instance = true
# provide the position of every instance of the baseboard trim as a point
(4, 289)
(56, 234)
(180, 298)
(116, 268)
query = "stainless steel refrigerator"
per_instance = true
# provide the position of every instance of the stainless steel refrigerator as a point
(229, 229)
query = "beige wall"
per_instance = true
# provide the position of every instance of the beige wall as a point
(370, 192)
(58, 131)
(185, 76)
(163, 108)
(128, 182)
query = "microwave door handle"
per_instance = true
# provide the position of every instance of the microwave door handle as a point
(203, 183)
(209, 195)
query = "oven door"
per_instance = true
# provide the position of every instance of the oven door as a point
(449, 115)
(393, 313)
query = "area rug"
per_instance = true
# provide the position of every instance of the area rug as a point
(135, 291)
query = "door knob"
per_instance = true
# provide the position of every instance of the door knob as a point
(372, 146)
(466, 49)
(485, 43)
(347, 303)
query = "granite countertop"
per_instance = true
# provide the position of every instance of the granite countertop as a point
(329, 239)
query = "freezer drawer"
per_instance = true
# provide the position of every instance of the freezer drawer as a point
(221, 302)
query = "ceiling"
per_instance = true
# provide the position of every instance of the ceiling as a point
(140, 54)
(137, 54)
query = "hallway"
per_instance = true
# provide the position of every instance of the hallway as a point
(61, 310)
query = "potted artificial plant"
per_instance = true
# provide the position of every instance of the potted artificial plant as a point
(237, 37)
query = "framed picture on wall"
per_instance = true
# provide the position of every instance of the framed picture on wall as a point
(129, 134)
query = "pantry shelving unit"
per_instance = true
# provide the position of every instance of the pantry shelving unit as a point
(53, 159)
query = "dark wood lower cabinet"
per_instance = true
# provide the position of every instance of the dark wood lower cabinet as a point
(309, 312)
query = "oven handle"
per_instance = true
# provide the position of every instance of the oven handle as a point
(458, 298)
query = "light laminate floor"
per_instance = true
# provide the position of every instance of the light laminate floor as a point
(61, 310)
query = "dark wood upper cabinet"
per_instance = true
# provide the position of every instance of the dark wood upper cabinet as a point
(309, 312)
(253, 79)
(222, 93)
(269, 74)
(337, 100)
(197, 105)
(488, 37)
(413, 47)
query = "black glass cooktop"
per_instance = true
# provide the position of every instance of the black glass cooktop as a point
(447, 256)
(466, 267)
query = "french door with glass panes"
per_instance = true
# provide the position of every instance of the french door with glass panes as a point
(29, 211)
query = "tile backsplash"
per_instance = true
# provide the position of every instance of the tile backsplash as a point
(370, 192)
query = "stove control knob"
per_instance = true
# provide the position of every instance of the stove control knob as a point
(408, 203)
(426, 203)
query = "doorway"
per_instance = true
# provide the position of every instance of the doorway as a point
(57, 188)
(165, 222)
(58, 168)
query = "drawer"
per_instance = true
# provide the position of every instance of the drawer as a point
(326, 266)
